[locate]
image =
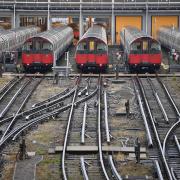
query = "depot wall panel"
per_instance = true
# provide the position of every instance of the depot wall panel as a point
(123, 21)
(159, 21)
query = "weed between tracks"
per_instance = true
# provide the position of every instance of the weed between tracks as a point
(8, 170)
(40, 140)
(175, 83)
(5, 80)
(48, 168)
(133, 169)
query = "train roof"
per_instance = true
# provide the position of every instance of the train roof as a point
(54, 35)
(170, 30)
(17, 31)
(95, 31)
(132, 34)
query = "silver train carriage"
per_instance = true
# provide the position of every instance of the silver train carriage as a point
(135, 41)
(141, 50)
(92, 49)
(11, 42)
(169, 37)
(13, 39)
(53, 42)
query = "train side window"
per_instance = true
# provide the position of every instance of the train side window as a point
(155, 47)
(91, 46)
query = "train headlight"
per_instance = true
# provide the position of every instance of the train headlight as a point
(100, 65)
(27, 64)
(82, 64)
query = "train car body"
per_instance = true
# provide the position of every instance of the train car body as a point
(141, 50)
(92, 49)
(12, 40)
(44, 49)
(169, 38)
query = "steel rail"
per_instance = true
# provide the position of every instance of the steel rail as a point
(41, 111)
(21, 128)
(173, 175)
(20, 108)
(154, 129)
(169, 96)
(88, 85)
(177, 143)
(51, 98)
(173, 127)
(106, 117)
(99, 130)
(108, 139)
(84, 124)
(2, 90)
(4, 111)
(149, 137)
(54, 113)
(10, 87)
(33, 121)
(160, 176)
(114, 170)
(83, 169)
(34, 110)
(83, 91)
(159, 101)
(67, 129)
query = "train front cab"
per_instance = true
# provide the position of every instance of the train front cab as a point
(91, 53)
(145, 53)
(37, 54)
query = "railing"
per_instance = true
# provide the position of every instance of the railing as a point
(92, 2)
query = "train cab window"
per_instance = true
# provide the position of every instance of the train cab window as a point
(82, 46)
(91, 46)
(136, 48)
(101, 47)
(27, 46)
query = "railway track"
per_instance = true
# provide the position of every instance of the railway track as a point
(84, 128)
(89, 123)
(14, 125)
(163, 118)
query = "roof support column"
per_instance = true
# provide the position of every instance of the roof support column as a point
(13, 21)
(17, 20)
(146, 18)
(48, 18)
(179, 22)
(113, 25)
(81, 27)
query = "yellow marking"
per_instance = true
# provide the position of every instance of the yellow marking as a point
(165, 66)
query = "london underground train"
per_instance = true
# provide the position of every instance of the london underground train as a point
(92, 49)
(44, 49)
(12, 40)
(141, 50)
